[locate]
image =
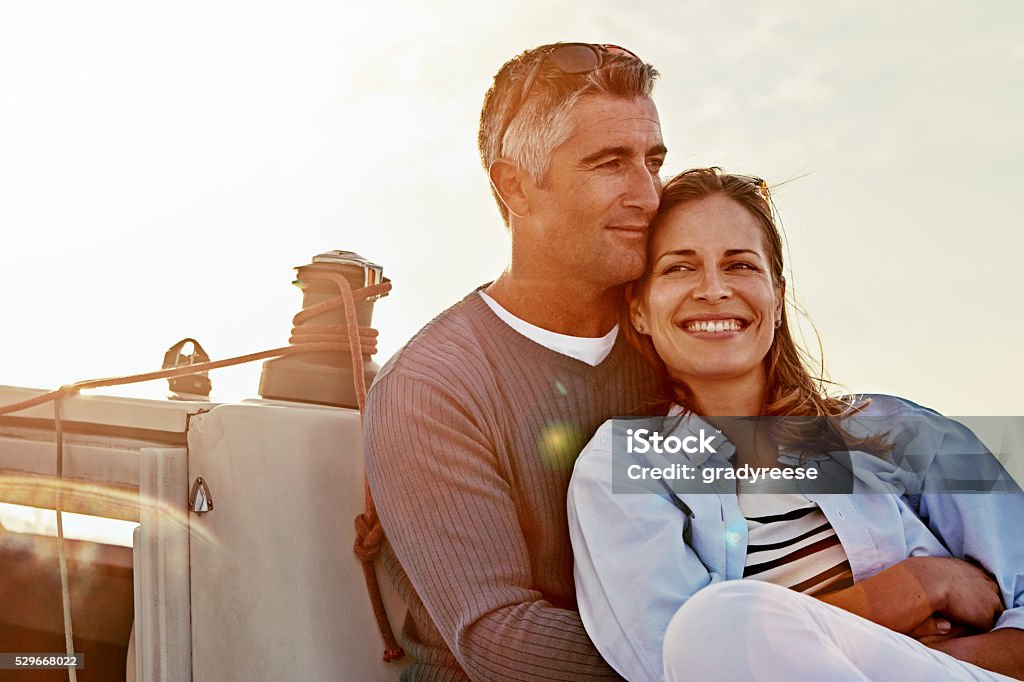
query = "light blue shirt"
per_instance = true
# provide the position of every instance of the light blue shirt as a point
(633, 569)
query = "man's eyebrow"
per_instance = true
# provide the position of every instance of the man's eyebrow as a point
(605, 153)
(620, 150)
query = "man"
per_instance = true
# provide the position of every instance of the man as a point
(472, 428)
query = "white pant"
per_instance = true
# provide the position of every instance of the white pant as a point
(752, 630)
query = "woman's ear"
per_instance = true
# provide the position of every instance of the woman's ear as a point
(507, 180)
(780, 295)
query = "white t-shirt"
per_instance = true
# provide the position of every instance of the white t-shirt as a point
(584, 348)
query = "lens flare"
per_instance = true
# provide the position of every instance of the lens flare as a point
(105, 501)
(560, 443)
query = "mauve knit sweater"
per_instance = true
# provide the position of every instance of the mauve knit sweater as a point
(471, 433)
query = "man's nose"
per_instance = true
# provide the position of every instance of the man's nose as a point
(644, 191)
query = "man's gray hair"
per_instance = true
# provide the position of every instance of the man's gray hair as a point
(542, 122)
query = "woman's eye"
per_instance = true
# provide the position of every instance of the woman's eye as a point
(677, 267)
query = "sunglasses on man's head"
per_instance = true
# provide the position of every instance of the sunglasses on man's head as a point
(569, 58)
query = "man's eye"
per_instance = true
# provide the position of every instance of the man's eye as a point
(656, 163)
(611, 164)
(744, 266)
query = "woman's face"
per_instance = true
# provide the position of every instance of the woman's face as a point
(710, 305)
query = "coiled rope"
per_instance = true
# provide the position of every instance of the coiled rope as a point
(305, 338)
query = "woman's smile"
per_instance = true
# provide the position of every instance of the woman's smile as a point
(715, 327)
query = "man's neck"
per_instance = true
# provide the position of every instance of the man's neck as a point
(564, 306)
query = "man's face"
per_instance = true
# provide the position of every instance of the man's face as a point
(589, 216)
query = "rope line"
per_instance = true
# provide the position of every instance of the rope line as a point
(369, 348)
(62, 552)
(369, 532)
(305, 338)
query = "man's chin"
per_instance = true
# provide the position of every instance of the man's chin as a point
(627, 268)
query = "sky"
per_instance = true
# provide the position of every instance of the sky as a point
(164, 166)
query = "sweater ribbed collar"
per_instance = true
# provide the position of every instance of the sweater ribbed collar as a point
(531, 351)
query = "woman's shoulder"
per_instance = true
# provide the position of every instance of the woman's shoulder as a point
(899, 420)
(949, 450)
(883, 405)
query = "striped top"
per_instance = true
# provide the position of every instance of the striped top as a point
(792, 544)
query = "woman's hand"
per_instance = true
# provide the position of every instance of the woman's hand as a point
(938, 629)
(906, 596)
(961, 591)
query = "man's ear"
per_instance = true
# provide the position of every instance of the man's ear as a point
(636, 316)
(507, 180)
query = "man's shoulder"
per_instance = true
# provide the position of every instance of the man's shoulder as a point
(450, 345)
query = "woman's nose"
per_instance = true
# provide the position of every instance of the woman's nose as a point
(712, 287)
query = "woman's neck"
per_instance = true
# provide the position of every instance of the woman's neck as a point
(742, 396)
(739, 397)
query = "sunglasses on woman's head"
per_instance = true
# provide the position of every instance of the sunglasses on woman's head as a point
(761, 185)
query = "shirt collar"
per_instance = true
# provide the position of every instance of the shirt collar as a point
(692, 424)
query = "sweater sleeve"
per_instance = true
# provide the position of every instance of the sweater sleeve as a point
(450, 517)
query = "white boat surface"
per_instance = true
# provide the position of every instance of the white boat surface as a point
(263, 585)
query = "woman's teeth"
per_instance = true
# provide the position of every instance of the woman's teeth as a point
(714, 326)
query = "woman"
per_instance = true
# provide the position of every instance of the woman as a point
(937, 579)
